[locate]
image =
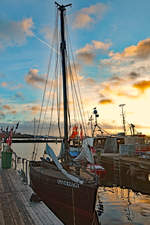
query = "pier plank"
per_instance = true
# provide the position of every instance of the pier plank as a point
(15, 205)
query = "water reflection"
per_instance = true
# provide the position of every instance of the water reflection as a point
(124, 195)
(128, 176)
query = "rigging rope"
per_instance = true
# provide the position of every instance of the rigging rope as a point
(34, 154)
(82, 113)
(52, 93)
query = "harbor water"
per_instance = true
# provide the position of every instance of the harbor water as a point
(122, 206)
(123, 199)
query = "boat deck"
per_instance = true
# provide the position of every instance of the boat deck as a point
(15, 205)
(51, 170)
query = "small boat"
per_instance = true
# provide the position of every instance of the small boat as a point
(63, 182)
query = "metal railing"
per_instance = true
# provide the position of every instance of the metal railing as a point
(22, 166)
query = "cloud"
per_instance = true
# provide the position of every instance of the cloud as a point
(88, 53)
(132, 62)
(35, 109)
(123, 86)
(14, 33)
(26, 26)
(47, 33)
(13, 112)
(86, 57)
(134, 75)
(106, 101)
(54, 82)
(88, 16)
(130, 69)
(82, 20)
(4, 84)
(11, 85)
(141, 51)
(34, 79)
(18, 86)
(7, 107)
(142, 85)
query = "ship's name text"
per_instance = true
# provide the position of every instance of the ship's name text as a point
(68, 183)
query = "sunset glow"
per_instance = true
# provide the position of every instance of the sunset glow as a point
(111, 44)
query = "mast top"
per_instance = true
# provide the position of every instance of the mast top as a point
(62, 7)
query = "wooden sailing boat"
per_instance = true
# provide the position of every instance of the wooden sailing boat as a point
(66, 188)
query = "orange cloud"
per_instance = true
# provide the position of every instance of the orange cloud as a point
(26, 26)
(35, 109)
(88, 52)
(6, 107)
(4, 84)
(121, 87)
(106, 101)
(141, 50)
(142, 85)
(33, 78)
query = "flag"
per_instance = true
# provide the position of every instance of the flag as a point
(9, 139)
(74, 132)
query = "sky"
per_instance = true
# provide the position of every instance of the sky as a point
(111, 43)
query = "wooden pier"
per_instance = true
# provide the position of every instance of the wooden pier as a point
(15, 205)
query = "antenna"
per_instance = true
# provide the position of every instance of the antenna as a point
(123, 117)
(93, 128)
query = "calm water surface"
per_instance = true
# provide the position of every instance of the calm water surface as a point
(123, 206)
(122, 200)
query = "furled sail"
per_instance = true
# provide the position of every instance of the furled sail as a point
(51, 153)
(85, 153)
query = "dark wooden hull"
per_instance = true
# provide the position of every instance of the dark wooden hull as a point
(72, 203)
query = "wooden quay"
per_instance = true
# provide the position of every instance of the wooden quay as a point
(15, 205)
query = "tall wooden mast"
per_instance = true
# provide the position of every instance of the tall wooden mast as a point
(62, 9)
